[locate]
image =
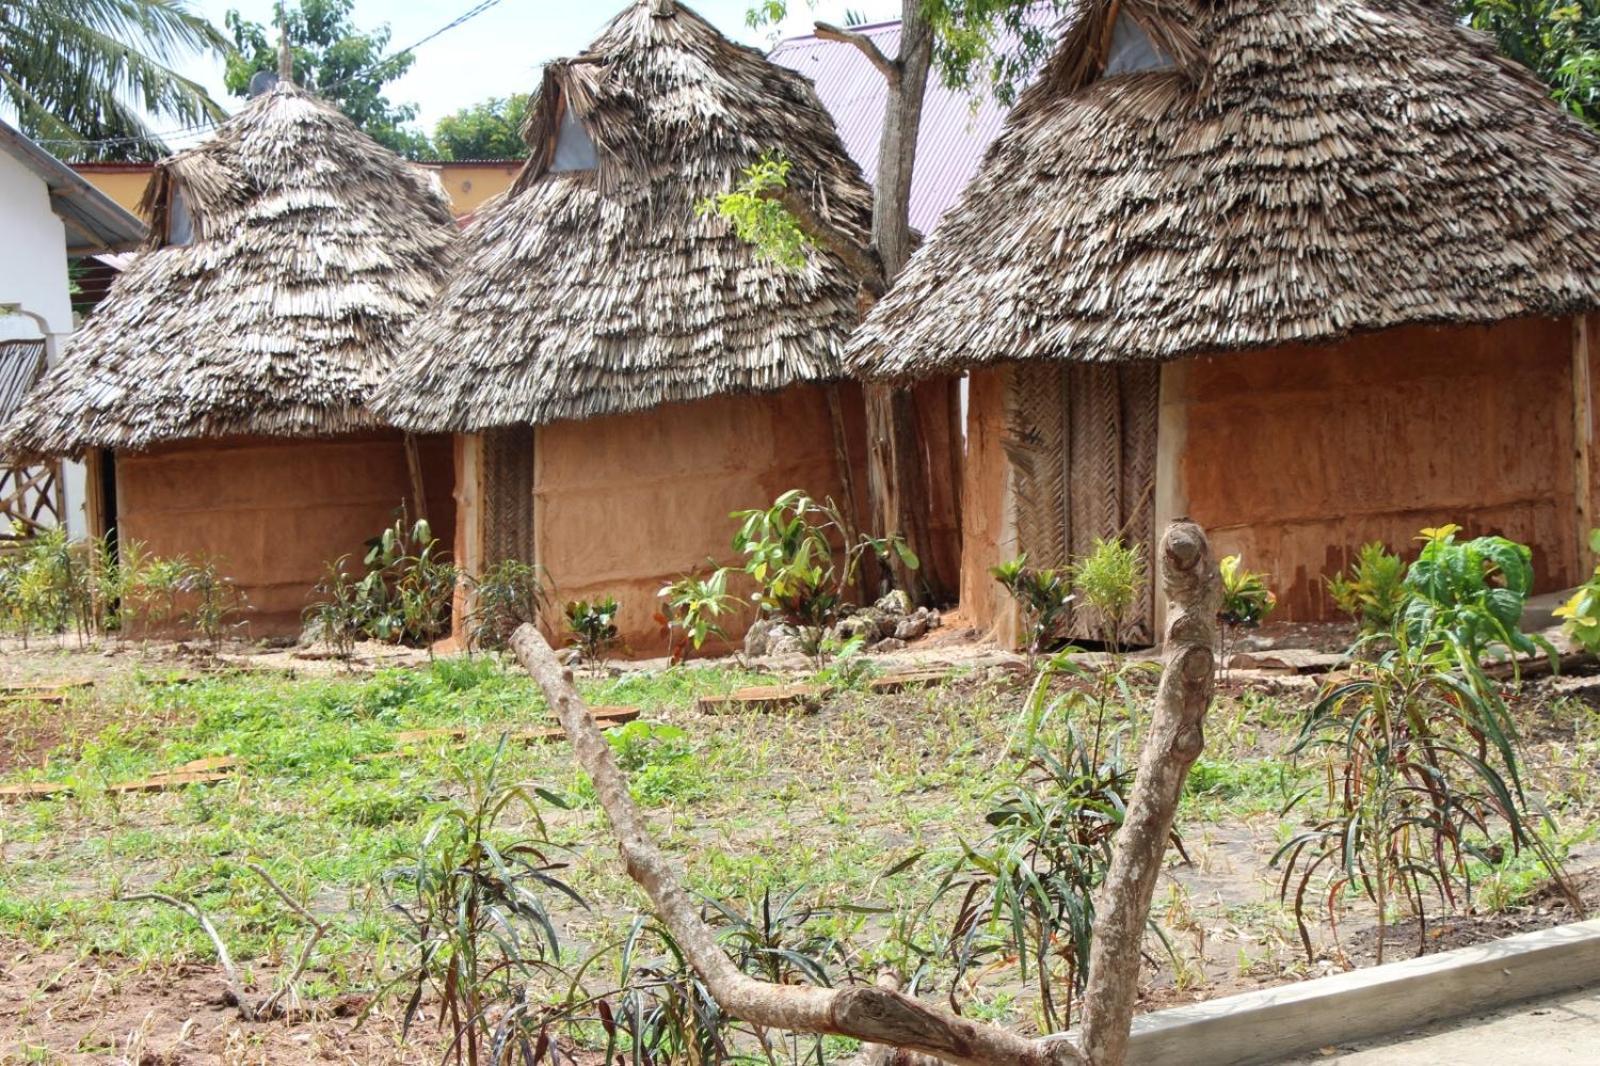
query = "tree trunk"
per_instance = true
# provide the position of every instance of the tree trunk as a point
(898, 471)
(912, 1032)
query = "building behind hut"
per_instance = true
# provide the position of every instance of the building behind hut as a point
(622, 370)
(1312, 272)
(221, 387)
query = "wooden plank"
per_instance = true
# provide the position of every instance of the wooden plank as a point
(1583, 443)
(172, 779)
(605, 717)
(198, 771)
(1288, 661)
(763, 698)
(30, 687)
(908, 680)
(33, 790)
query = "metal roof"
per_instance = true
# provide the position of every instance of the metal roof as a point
(956, 129)
(94, 222)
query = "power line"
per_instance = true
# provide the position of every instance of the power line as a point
(372, 68)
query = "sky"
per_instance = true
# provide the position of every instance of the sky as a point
(502, 50)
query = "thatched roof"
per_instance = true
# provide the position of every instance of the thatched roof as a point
(313, 248)
(585, 292)
(1301, 170)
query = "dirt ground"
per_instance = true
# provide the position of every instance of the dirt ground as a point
(61, 1001)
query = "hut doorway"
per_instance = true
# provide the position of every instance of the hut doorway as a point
(507, 495)
(1081, 438)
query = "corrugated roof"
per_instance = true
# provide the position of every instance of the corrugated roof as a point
(94, 222)
(954, 133)
(21, 364)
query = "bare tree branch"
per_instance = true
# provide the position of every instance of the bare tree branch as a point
(230, 972)
(873, 1015)
(269, 1006)
(1176, 737)
(861, 262)
(890, 69)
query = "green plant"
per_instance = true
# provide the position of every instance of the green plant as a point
(803, 561)
(473, 909)
(1470, 595)
(1109, 580)
(1372, 592)
(593, 627)
(406, 594)
(1246, 601)
(1044, 596)
(692, 607)
(1423, 769)
(337, 613)
(660, 760)
(508, 594)
(213, 601)
(758, 216)
(1581, 613)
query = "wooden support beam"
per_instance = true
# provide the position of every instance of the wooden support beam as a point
(1584, 374)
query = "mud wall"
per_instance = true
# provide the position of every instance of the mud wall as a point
(273, 513)
(1295, 457)
(626, 503)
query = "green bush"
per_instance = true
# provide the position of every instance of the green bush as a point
(1372, 592)
(1470, 595)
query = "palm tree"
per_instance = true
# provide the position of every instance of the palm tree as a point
(88, 76)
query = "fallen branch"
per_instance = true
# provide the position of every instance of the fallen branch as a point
(235, 995)
(899, 1029)
(269, 1007)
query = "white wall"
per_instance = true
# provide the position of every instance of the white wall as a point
(33, 285)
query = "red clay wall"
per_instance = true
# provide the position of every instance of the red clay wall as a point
(1295, 457)
(275, 512)
(626, 503)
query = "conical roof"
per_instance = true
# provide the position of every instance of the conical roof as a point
(596, 285)
(1194, 176)
(288, 253)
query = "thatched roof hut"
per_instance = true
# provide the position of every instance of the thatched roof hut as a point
(1328, 184)
(594, 286)
(287, 254)
(219, 391)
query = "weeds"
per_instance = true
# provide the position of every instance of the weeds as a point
(593, 627)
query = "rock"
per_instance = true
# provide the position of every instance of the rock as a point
(310, 635)
(896, 604)
(756, 637)
(934, 621)
(870, 624)
(887, 644)
(784, 640)
(911, 628)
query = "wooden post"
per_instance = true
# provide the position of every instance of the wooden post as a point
(847, 483)
(419, 492)
(1583, 442)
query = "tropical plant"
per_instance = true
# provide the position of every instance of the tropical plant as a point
(1246, 601)
(1372, 591)
(803, 562)
(1423, 775)
(1581, 613)
(1043, 596)
(473, 909)
(213, 601)
(1108, 581)
(692, 607)
(337, 614)
(593, 627)
(409, 586)
(1470, 595)
(87, 76)
(508, 594)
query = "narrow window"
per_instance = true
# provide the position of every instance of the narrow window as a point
(1132, 51)
(574, 149)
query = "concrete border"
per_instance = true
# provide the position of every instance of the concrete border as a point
(1278, 1023)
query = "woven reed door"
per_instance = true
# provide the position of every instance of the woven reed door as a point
(507, 481)
(1082, 445)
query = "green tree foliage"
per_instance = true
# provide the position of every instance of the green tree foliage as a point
(82, 71)
(1559, 40)
(343, 64)
(490, 130)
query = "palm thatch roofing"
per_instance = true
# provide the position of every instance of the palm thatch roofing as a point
(600, 290)
(312, 249)
(1296, 171)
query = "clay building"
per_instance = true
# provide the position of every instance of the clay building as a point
(1310, 272)
(219, 392)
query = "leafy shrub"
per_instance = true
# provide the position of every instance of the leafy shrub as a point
(473, 909)
(1470, 595)
(1372, 592)
(1109, 580)
(801, 558)
(1246, 598)
(508, 594)
(337, 614)
(1424, 765)
(660, 761)
(692, 607)
(404, 597)
(1581, 613)
(1043, 596)
(214, 603)
(593, 627)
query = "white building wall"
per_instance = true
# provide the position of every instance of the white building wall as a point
(34, 288)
